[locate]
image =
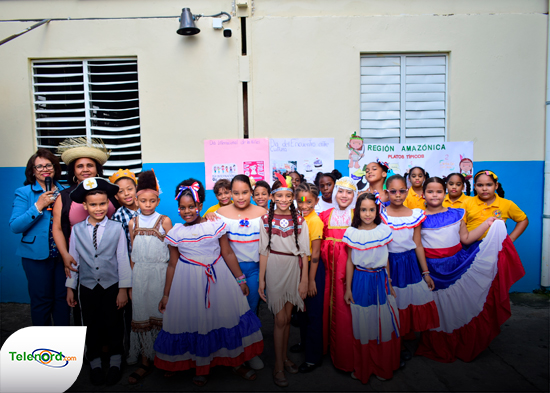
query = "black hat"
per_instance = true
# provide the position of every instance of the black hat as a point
(78, 195)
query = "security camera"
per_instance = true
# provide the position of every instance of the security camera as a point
(227, 33)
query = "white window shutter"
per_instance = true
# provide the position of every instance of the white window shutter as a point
(404, 98)
(96, 98)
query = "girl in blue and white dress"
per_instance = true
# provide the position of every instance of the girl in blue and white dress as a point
(207, 320)
(370, 294)
(471, 285)
(243, 221)
(409, 273)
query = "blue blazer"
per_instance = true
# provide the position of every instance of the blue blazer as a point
(35, 227)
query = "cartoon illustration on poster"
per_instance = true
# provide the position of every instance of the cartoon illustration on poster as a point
(307, 156)
(223, 171)
(438, 159)
(356, 150)
(220, 155)
(254, 169)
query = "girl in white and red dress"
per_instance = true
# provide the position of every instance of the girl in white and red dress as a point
(409, 273)
(471, 285)
(207, 320)
(370, 294)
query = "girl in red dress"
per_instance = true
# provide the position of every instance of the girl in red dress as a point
(337, 324)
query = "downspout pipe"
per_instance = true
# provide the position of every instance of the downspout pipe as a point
(545, 268)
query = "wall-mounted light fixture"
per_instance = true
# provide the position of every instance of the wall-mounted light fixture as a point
(187, 22)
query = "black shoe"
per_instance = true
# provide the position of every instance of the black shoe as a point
(97, 377)
(307, 368)
(406, 355)
(113, 376)
(297, 348)
(402, 363)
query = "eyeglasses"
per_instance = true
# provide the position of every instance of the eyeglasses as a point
(40, 168)
(393, 192)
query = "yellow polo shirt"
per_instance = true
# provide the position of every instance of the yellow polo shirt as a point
(315, 226)
(478, 211)
(456, 204)
(212, 209)
(414, 201)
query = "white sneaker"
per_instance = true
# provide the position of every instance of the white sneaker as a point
(380, 378)
(256, 363)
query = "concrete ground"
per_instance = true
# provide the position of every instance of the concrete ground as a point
(517, 360)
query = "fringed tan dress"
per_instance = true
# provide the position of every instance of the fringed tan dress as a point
(150, 256)
(283, 263)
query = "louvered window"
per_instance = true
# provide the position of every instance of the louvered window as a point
(93, 99)
(404, 98)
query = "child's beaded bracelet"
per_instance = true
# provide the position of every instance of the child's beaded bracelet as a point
(241, 280)
(425, 272)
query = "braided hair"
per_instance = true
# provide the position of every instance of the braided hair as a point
(307, 187)
(462, 179)
(499, 191)
(276, 185)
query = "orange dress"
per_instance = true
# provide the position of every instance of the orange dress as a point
(337, 323)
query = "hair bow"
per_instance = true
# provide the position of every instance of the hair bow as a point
(244, 223)
(194, 188)
(489, 173)
(377, 198)
(383, 163)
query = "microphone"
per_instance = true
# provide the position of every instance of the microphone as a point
(48, 181)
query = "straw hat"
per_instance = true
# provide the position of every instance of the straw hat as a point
(74, 148)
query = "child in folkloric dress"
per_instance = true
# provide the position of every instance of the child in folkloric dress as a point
(149, 260)
(369, 293)
(207, 320)
(284, 247)
(471, 285)
(409, 274)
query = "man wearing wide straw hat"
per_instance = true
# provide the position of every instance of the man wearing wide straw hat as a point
(84, 159)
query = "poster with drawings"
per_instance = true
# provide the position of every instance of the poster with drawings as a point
(438, 159)
(308, 156)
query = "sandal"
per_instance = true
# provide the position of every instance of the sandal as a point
(290, 367)
(135, 377)
(245, 372)
(200, 380)
(281, 382)
(169, 374)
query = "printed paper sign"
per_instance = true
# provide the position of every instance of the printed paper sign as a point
(307, 156)
(254, 169)
(438, 159)
(225, 158)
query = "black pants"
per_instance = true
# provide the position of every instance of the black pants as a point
(102, 319)
(311, 321)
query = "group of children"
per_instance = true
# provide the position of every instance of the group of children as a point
(365, 271)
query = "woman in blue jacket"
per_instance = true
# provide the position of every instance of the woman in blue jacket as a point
(32, 217)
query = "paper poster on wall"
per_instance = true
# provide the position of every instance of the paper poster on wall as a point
(438, 159)
(308, 156)
(226, 158)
